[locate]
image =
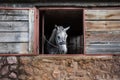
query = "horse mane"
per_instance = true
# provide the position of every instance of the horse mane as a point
(51, 39)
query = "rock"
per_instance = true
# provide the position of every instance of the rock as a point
(13, 67)
(13, 75)
(4, 70)
(59, 68)
(12, 60)
(56, 73)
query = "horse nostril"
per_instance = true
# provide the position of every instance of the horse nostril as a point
(63, 51)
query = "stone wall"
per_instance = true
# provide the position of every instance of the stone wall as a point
(60, 68)
(9, 68)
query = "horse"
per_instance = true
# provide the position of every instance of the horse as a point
(57, 43)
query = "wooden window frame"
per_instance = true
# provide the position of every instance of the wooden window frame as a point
(60, 8)
(84, 30)
(35, 32)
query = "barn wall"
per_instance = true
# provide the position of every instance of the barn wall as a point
(102, 29)
(59, 67)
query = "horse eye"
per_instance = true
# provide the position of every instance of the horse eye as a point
(58, 37)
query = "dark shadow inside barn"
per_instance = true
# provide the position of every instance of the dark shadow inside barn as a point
(72, 18)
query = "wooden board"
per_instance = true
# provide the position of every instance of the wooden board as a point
(12, 48)
(103, 47)
(15, 12)
(102, 51)
(102, 14)
(102, 36)
(102, 25)
(14, 37)
(10, 18)
(31, 29)
(16, 31)
(14, 26)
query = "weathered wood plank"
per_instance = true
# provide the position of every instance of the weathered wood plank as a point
(14, 37)
(9, 48)
(102, 14)
(13, 17)
(103, 50)
(14, 26)
(15, 12)
(98, 37)
(103, 47)
(103, 43)
(31, 29)
(102, 25)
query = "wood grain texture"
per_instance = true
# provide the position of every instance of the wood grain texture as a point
(102, 25)
(14, 37)
(14, 26)
(102, 51)
(14, 12)
(31, 30)
(102, 36)
(13, 17)
(102, 14)
(16, 31)
(11, 48)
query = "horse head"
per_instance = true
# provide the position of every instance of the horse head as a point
(61, 38)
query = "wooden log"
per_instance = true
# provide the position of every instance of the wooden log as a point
(102, 25)
(14, 37)
(102, 14)
(100, 37)
(15, 12)
(9, 48)
(13, 17)
(14, 26)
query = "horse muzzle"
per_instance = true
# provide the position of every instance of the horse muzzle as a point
(62, 43)
(63, 49)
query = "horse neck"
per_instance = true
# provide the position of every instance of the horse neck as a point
(52, 38)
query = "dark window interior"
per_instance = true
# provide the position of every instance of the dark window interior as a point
(65, 18)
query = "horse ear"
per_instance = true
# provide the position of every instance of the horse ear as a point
(56, 27)
(67, 28)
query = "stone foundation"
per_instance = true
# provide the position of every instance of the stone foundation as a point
(60, 68)
(8, 68)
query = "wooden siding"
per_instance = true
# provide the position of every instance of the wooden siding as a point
(14, 37)
(102, 25)
(11, 48)
(102, 28)
(102, 14)
(14, 26)
(16, 31)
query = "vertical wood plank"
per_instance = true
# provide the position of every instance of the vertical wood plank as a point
(31, 29)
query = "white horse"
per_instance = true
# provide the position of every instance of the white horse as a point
(57, 43)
